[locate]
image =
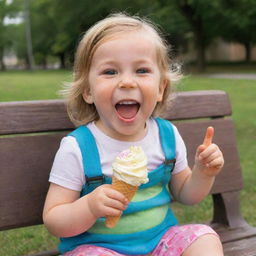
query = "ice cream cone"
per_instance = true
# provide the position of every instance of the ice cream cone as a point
(129, 172)
(128, 191)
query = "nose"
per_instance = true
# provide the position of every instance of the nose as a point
(127, 82)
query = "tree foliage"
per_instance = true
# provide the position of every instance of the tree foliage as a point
(5, 10)
(240, 23)
(58, 25)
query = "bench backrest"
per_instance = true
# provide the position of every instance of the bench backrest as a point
(30, 133)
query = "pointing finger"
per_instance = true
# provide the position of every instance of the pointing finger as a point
(208, 136)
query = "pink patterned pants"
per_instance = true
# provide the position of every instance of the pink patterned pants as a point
(173, 243)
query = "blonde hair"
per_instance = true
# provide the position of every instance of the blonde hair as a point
(81, 112)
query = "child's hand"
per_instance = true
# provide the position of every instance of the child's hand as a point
(105, 201)
(209, 158)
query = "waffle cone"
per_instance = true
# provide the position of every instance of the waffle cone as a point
(128, 191)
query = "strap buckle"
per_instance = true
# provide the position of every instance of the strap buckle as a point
(170, 162)
(94, 180)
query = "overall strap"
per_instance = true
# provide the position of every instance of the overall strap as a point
(168, 142)
(90, 156)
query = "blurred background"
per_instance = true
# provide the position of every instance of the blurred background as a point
(44, 33)
(213, 41)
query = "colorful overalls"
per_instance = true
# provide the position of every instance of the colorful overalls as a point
(146, 218)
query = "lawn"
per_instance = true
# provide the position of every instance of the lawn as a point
(36, 85)
(20, 85)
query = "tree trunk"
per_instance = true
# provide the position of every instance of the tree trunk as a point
(28, 34)
(200, 51)
(196, 24)
(44, 62)
(2, 65)
(247, 46)
(62, 60)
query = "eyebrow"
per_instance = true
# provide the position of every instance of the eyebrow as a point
(138, 62)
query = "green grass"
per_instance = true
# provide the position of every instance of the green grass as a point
(45, 84)
(26, 240)
(36, 85)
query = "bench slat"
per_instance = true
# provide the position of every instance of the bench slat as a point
(33, 116)
(244, 247)
(199, 104)
(50, 115)
(228, 235)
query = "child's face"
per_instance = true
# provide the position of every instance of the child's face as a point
(125, 85)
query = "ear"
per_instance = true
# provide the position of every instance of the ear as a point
(162, 87)
(87, 97)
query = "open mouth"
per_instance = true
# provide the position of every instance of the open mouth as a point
(127, 109)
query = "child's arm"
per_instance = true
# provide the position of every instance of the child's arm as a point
(190, 187)
(65, 214)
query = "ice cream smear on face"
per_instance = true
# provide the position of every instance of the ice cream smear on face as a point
(130, 166)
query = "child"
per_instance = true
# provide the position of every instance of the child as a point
(122, 78)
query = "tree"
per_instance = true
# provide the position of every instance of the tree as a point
(74, 20)
(205, 19)
(57, 26)
(7, 31)
(28, 34)
(18, 39)
(3, 37)
(43, 30)
(173, 24)
(6, 10)
(240, 25)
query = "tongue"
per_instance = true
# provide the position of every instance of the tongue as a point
(127, 111)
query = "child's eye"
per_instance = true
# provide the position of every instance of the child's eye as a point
(110, 72)
(142, 70)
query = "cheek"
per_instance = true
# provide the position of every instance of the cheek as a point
(102, 95)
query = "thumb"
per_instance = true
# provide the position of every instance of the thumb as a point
(208, 136)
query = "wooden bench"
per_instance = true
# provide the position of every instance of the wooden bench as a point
(30, 135)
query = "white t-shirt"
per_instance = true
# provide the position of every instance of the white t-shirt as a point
(67, 169)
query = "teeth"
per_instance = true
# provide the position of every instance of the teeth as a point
(127, 102)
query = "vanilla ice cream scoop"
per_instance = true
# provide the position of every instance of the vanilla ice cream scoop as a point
(130, 166)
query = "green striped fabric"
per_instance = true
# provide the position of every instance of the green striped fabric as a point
(138, 221)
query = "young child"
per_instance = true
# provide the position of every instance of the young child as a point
(122, 78)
